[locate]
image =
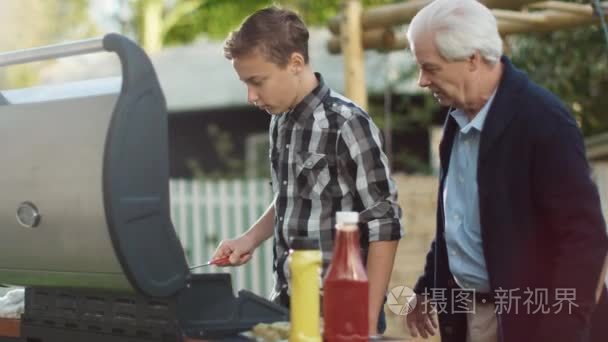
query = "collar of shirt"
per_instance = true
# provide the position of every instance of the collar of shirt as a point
(308, 104)
(463, 120)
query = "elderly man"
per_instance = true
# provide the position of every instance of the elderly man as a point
(520, 240)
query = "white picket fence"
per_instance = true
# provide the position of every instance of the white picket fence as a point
(207, 212)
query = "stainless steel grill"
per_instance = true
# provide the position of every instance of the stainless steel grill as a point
(84, 212)
(84, 181)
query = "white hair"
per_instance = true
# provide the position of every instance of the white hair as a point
(460, 28)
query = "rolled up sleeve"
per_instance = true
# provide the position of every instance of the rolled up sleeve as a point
(360, 152)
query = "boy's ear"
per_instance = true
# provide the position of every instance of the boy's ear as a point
(296, 62)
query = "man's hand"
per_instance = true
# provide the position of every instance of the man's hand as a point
(239, 250)
(421, 321)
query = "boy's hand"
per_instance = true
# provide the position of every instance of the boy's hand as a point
(239, 251)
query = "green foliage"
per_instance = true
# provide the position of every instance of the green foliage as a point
(35, 23)
(232, 167)
(409, 115)
(573, 64)
(21, 76)
(406, 160)
(216, 18)
(74, 12)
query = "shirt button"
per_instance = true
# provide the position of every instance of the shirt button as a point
(281, 218)
(287, 146)
(461, 179)
(284, 182)
(453, 253)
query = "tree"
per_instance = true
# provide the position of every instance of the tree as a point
(33, 23)
(573, 64)
(159, 22)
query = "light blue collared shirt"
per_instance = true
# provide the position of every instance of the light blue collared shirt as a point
(461, 204)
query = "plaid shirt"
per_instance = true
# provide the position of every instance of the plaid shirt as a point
(326, 156)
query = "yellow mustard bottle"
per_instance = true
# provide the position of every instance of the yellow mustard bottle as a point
(304, 303)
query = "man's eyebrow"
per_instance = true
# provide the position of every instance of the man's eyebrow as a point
(429, 66)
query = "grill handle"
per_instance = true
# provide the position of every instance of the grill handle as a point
(80, 47)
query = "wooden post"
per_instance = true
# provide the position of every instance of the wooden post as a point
(151, 26)
(506, 48)
(352, 47)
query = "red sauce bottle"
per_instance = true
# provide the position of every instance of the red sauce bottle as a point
(346, 289)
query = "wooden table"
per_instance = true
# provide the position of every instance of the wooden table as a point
(11, 328)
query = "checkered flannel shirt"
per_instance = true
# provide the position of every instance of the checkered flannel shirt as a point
(326, 156)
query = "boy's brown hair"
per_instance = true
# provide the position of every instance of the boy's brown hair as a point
(276, 33)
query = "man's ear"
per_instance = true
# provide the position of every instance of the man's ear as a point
(474, 61)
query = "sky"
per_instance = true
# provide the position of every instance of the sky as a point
(105, 14)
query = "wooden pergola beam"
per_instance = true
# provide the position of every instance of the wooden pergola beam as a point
(583, 9)
(383, 38)
(540, 17)
(401, 13)
(383, 16)
(518, 17)
(554, 16)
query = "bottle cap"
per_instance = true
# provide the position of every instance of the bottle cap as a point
(303, 243)
(347, 217)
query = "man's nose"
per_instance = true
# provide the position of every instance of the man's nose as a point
(423, 81)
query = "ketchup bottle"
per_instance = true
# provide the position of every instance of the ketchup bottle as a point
(345, 289)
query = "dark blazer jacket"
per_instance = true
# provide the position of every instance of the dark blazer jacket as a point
(541, 221)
